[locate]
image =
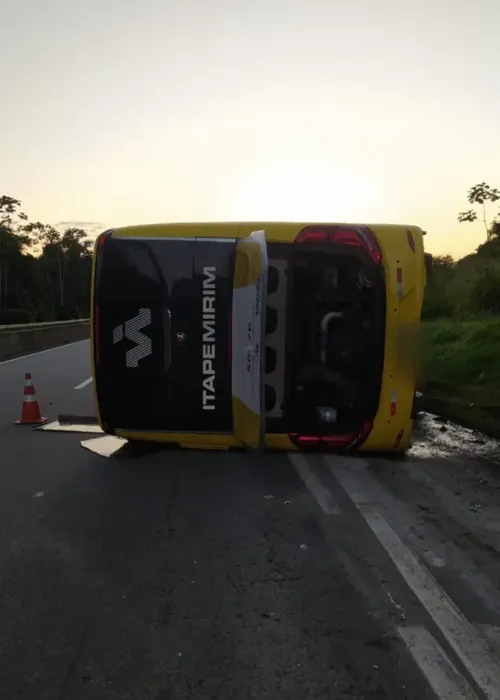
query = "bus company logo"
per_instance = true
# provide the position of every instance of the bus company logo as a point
(208, 339)
(131, 330)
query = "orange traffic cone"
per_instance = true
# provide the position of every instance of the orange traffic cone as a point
(31, 410)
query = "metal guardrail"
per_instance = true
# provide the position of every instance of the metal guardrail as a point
(19, 327)
(24, 338)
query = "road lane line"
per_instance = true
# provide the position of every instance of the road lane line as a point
(464, 639)
(83, 384)
(441, 673)
(42, 352)
(322, 495)
(423, 538)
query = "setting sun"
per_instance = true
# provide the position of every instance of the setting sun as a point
(310, 191)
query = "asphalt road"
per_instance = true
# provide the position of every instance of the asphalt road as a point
(210, 575)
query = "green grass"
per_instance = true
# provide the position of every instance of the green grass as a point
(461, 368)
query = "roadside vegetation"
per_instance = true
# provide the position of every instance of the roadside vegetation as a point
(462, 327)
(44, 270)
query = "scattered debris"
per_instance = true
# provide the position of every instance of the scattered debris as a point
(79, 427)
(398, 607)
(106, 446)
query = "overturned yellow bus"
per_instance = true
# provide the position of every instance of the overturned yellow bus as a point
(266, 335)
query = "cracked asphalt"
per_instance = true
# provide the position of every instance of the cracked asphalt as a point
(175, 575)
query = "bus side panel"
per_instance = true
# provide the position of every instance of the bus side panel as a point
(245, 403)
(248, 329)
(403, 260)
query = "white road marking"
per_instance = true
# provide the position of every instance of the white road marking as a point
(322, 495)
(441, 674)
(410, 520)
(84, 383)
(470, 647)
(42, 352)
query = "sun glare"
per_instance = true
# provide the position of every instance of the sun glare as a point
(309, 192)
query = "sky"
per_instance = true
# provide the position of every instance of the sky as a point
(118, 112)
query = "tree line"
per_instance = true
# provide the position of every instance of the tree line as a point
(471, 285)
(44, 272)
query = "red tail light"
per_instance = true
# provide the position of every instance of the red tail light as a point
(312, 235)
(103, 238)
(335, 442)
(359, 236)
